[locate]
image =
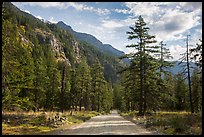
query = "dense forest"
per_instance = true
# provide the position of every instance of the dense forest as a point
(44, 67)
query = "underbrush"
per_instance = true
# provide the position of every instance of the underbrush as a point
(20, 123)
(170, 123)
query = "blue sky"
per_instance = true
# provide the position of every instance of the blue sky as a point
(109, 21)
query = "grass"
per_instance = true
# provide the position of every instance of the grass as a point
(23, 129)
(169, 123)
(80, 116)
(29, 123)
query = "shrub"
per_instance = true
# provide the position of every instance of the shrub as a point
(179, 124)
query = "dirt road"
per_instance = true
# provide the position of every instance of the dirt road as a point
(112, 124)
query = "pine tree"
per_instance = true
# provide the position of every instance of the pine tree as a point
(196, 90)
(53, 79)
(98, 81)
(197, 76)
(168, 97)
(73, 90)
(186, 71)
(142, 50)
(197, 51)
(83, 79)
(151, 80)
(180, 92)
(39, 81)
(18, 67)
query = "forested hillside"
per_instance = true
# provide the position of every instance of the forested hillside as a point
(45, 67)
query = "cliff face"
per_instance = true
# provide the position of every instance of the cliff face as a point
(76, 51)
(45, 37)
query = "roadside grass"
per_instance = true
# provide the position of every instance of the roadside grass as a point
(30, 123)
(169, 123)
(80, 116)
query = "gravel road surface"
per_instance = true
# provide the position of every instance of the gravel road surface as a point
(112, 124)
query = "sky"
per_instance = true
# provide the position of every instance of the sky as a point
(169, 22)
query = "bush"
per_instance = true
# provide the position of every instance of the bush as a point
(179, 124)
(38, 120)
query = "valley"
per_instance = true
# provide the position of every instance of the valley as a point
(55, 78)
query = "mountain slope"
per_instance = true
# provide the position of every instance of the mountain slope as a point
(63, 44)
(106, 48)
(46, 68)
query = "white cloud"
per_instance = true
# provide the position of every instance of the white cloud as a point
(110, 24)
(52, 20)
(65, 5)
(142, 8)
(194, 38)
(27, 11)
(39, 17)
(172, 25)
(59, 5)
(176, 50)
(83, 7)
(124, 11)
(78, 6)
(167, 20)
(102, 11)
(191, 5)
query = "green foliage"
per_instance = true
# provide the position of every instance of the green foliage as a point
(169, 123)
(111, 64)
(178, 124)
(118, 100)
(143, 67)
(168, 98)
(197, 53)
(180, 93)
(98, 86)
(196, 91)
(17, 63)
(35, 78)
(83, 82)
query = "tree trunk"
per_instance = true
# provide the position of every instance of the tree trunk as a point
(62, 89)
(189, 80)
(98, 102)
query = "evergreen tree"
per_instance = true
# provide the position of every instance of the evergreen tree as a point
(197, 53)
(196, 90)
(83, 79)
(168, 97)
(73, 90)
(107, 98)
(142, 50)
(186, 71)
(98, 81)
(53, 80)
(39, 81)
(119, 102)
(180, 92)
(17, 65)
(163, 54)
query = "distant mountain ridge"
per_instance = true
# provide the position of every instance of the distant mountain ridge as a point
(179, 68)
(106, 48)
